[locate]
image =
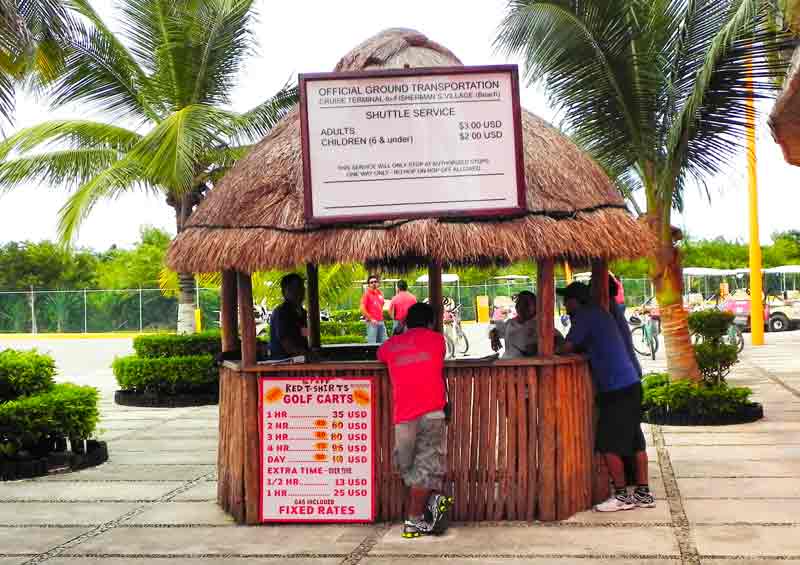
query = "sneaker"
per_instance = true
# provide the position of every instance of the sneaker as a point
(616, 503)
(643, 498)
(438, 508)
(416, 527)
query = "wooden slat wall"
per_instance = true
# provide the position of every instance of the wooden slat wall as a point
(519, 445)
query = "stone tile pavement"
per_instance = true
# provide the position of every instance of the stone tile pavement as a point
(727, 495)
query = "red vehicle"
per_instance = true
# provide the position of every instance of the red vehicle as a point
(779, 315)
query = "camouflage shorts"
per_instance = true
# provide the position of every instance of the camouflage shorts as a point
(419, 451)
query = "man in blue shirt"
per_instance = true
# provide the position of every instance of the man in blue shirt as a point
(288, 333)
(619, 395)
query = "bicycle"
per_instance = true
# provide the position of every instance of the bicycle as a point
(645, 334)
(733, 336)
(454, 335)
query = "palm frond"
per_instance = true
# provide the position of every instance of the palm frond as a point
(171, 154)
(74, 133)
(168, 281)
(256, 123)
(68, 168)
(100, 73)
(121, 176)
(219, 39)
(581, 51)
(336, 280)
(159, 40)
(714, 84)
(7, 96)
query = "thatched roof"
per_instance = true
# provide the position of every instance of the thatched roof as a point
(785, 116)
(253, 220)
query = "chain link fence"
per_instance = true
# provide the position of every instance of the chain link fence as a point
(637, 292)
(146, 310)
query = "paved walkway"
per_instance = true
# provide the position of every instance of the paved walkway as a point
(726, 495)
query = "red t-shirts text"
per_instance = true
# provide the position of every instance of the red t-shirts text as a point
(400, 304)
(416, 364)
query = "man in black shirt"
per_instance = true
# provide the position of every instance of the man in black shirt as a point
(288, 330)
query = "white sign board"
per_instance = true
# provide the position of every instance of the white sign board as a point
(412, 143)
(317, 449)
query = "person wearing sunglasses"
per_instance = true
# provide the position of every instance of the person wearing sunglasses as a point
(372, 310)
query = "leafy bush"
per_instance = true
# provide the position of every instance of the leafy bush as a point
(711, 325)
(714, 358)
(697, 399)
(23, 373)
(169, 375)
(343, 339)
(353, 315)
(342, 328)
(341, 316)
(155, 346)
(67, 410)
(654, 380)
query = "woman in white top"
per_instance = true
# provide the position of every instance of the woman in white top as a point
(521, 334)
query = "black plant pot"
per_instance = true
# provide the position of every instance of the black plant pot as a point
(747, 414)
(96, 452)
(156, 400)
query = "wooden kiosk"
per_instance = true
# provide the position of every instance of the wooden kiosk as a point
(519, 444)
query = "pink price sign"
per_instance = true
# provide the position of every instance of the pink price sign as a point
(317, 449)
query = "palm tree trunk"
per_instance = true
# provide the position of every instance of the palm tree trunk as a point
(186, 281)
(186, 303)
(667, 277)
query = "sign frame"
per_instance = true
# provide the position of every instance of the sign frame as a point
(264, 378)
(516, 110)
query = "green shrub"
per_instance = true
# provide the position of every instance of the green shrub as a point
(353, 315)
(173, 345)
(342, 328)
(67, 410)
(698, 399)
(654, 380)
(23, 373)
(343, 339)
(714, 358)
(169, 375)
(711, 325)
(341, 316)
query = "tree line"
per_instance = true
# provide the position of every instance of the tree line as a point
(46, 265)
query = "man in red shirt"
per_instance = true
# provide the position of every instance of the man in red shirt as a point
(416, 363)
(372, 309)
(399, 306)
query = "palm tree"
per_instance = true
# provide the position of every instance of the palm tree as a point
(656, 91)
(164, 83)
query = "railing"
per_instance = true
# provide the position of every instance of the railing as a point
(95, 311)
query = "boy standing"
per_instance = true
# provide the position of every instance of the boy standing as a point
(619, 396)
(415, 360)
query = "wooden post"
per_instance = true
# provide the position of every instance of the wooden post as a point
(600, 282)
(228, 312)
(247, 322)
(545, 307)
(547, 401)
(312, 274)
(435, 294)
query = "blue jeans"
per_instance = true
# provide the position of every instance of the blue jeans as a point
(376, 333)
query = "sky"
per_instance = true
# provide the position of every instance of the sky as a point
(308, 36)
